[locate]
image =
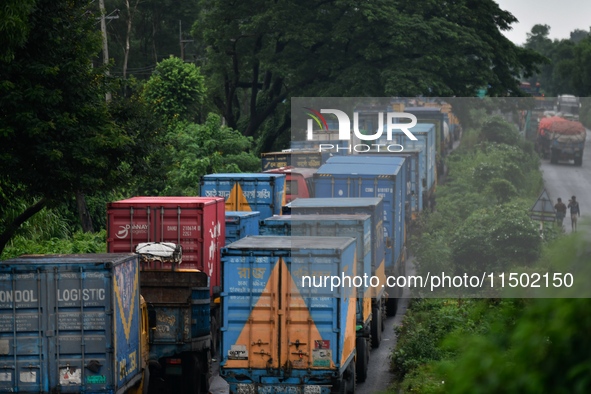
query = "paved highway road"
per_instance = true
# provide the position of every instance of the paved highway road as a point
(565, 180)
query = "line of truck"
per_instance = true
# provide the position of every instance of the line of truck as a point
(188, 278)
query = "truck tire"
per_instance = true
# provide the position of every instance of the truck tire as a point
(215, 341)
(383, 313)
(376, 327)
(553, 157)
(192, 375)
(391, 306)
(362, 359)
(346, 383)
(206, 372)
(578, 161)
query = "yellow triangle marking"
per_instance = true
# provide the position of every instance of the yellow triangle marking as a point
(126, 320)
(261, 328)
(240, 203)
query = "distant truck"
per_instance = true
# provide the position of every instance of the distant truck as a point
(72, 324)
(568, 105)
(560, 139)
(298, 182)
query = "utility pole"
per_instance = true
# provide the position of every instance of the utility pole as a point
(181, 41)
(105, 45)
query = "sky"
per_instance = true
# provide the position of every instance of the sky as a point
(563, 16)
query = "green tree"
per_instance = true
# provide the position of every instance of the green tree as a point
(175, 90)
(259, 54)
(205, 149)
(57, 136)
(14, 26)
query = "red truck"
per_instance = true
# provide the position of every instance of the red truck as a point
(298, 182)
(561, 139)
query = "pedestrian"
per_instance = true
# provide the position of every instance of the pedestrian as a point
(560, 211)
(575, 212)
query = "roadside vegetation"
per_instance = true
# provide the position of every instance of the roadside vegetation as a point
(481, 223)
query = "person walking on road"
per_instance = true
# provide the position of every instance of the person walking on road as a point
(560, 211)
(575, 212)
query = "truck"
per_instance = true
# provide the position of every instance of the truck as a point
(560, 139)
(298, 182)
(281, 332)
(72, 324)
(374, 176)
(180, 340)
(181, 288)
(369, 320)
(240, 224)
(374, 207)
(568, 105)
(264, 193)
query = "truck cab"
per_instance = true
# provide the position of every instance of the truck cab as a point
(298, 182)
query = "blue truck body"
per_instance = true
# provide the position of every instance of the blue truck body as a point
(425, 133)
(417, 171)
(369, 319)
(70, 324)
(240, 224)
(264, 193)
(371, 176)
(279, 334)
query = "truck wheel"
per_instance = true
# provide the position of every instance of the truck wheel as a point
(553, 157)
(383, 313)
(352, 380)
(578, 161)
(192, 375)
(391, 306)
(376, 327)
(215, 329)
(362, 359)
(206, 372)
(146, 380)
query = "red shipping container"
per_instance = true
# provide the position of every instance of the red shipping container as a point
(196, 223)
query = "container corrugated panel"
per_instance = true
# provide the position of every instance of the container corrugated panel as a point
(355, 226)
(425, 134)
(264, 193)
(371, 176)
(276, 332)
(196, 223)
(240, 224)
(69, 323)
(416, 169)
(374, 207)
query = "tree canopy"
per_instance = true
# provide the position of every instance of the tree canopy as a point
(259, 54)
(57, 136)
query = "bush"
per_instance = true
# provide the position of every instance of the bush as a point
(493, 238)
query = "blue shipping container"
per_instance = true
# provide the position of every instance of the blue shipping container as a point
(416, 168)
(247, 192)
(372, 176)
(374, 207)
(272, 318)
(241, 224)
(425, 133)
(70, 323)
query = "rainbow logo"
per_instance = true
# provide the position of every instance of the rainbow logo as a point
(317, 116)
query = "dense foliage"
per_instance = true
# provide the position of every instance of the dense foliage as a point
(480, 223)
